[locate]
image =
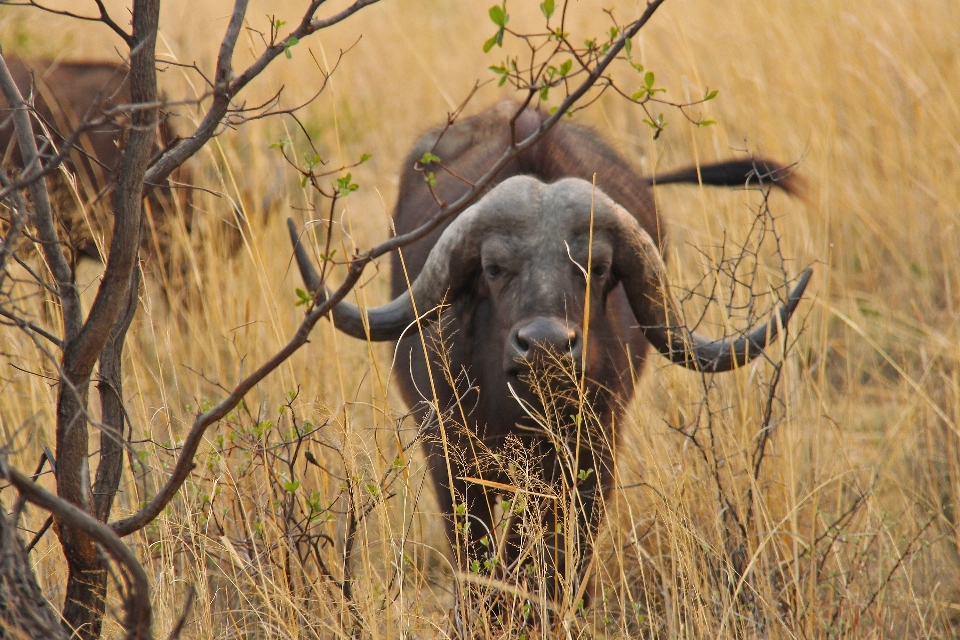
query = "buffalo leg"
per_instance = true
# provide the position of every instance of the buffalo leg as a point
(467, 509)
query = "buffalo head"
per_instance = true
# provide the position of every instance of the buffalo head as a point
(531, 249)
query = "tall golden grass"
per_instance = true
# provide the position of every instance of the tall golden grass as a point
(855, 530)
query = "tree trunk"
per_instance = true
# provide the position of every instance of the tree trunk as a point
(87, 579)
(101, 338)
(24, 612)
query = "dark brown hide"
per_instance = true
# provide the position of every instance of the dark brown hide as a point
(476, 327)
(65, 94)
(483, 316)
(513, 268)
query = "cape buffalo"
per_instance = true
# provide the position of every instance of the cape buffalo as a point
(66, 94)
(502, 289)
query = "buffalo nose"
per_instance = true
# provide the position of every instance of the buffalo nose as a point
(541, 338)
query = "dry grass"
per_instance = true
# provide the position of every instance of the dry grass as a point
(854, 529)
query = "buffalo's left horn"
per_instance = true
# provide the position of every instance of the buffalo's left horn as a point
(639, 265)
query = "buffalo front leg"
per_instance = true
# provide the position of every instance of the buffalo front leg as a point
(571, 523)
(467, 508)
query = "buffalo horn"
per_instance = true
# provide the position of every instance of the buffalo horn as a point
(385, 322)
(451, 261)
(639, 265)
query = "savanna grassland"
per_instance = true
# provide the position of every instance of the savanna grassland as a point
(845, 522)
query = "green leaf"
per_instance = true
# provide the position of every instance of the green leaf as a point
(657, 126)
(705, 123)
(345, 186)
(303, 297)
(499, 15)
(428, 158)
(489, 43)
(565, 67)
(291, 41)
(311, 161)
(544, 92)
(292, 486)
(648, 79)
(628, 46)
(431, 180)
(364, 157)
(547, 7)
(709, 95)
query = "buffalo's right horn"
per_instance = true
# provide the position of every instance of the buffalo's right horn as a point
(386, 322)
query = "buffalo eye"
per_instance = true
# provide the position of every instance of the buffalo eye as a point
(492, 271)
(599, 271)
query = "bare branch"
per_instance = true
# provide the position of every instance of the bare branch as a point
(138, 607)
(113, 413)
(178, 153)
(82, 353)
(225, 58)
(104, 17)
(21, 500)
(43, 217)
(39, 534)
(20, 216)
(317, 25)
(29, 326)
(107, 20)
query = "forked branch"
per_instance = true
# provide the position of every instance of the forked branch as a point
(137, 605)
(227, 85)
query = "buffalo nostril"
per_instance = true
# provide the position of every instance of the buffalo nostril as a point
(522, 344)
